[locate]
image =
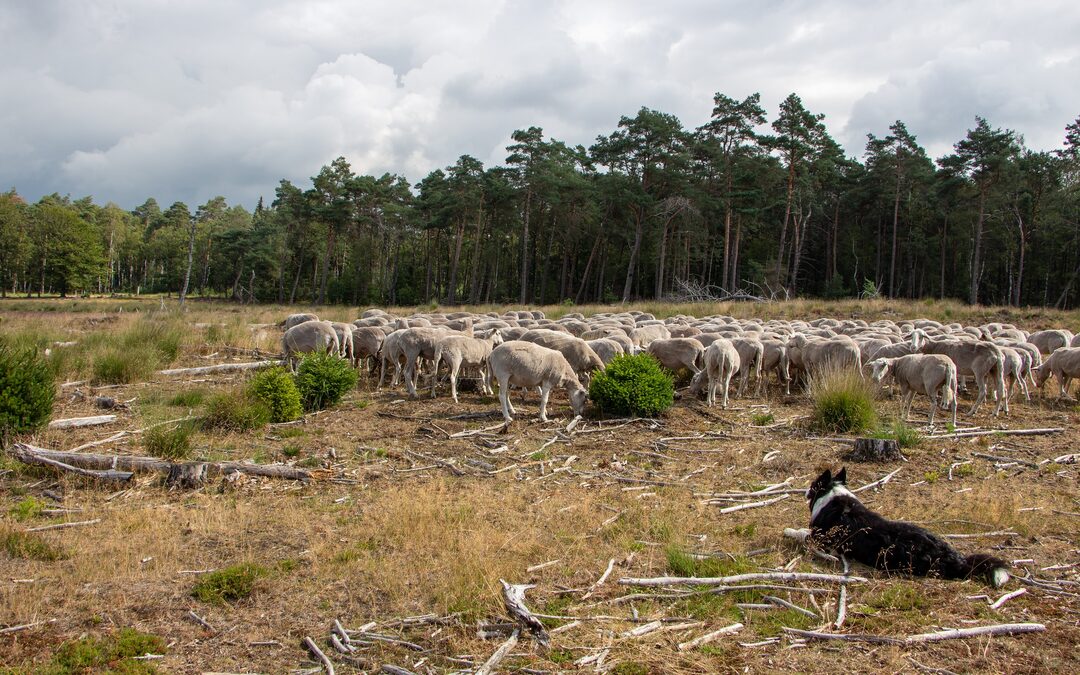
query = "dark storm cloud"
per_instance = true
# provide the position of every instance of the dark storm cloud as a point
(185, 101)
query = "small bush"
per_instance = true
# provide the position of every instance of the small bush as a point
(761, 419)
(235, 411)
(169, 443)
(633, 385)
(27, 390)
(232, 583)
(30, 546)
(323, 379)
(277, 390)
(112, 654)
(843, 402)
(29, 507)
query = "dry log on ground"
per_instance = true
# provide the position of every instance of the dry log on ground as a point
(29, 454)
(739, 578)
(514, 600)
(220, 368)
(77, 422)
(318, 653)
(937, 636)
(500, 653)
(1001, 432)
(709, 637)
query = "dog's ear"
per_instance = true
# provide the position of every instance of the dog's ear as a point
(841, 476)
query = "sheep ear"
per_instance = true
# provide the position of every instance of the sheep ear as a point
(841, 476)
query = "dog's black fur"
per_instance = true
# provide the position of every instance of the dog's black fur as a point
(844, 525)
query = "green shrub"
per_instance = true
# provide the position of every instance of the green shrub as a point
(276, 388)
(27, 390)
(169, 442)
(235, 411)
(633, 385)
(29, 507)
(323, 380)
(111, 654)
(226, 585)
(30, 546)
(843, 402)
(761, 419)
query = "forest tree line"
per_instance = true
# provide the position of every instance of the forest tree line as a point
(649, 211)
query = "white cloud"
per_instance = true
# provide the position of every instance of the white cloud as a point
(124, 100)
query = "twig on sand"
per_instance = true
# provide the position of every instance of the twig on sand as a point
(709, 637)
(318, 653)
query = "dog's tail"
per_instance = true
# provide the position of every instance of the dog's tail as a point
(993, 570)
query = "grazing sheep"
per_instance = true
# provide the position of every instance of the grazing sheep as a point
(774, 357)
(678, 353)
(577, 351)
(1049, 340)
(721, 363)
(1017, 365)
(345, 339)
(462, 350)
(524, 364)
(751, 354)
(297, 319)
(932, 375)
(367, 341)
(606, 348)
(1064, 364)
(644, 334)
(307, 337)
(811, 355)
(982, 360)
(1075, 341)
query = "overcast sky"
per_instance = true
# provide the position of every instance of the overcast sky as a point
(188, 99)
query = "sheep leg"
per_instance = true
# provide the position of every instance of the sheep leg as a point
(727, 386)
(545, 389)
(435, 376)
(980, 382)
(504, 399)
(909, 398)
(934, 397)
(455, 368)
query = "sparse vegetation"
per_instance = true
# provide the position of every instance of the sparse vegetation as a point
(230, 584)
(29, 507)
(633, 385)
(189, 398)
(114, 653)
(235, 411)
(762, 418)
(27, 390)
(323, 379)
(171, 442)
(843, 402)
(904, 434)
(30, 546)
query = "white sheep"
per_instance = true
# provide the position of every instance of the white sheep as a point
(307, 337)
(606, 348)
(297, 319)
(678, 353)
(1064, 364)
(982, 360)
(577, 352)
(721, 361)
(524, 364)
(751, 354)
(462, 350)
(933, 375)
(1049, 340)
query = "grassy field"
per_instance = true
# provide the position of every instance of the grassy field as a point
(388, 531)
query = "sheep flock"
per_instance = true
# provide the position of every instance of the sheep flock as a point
(526, 349)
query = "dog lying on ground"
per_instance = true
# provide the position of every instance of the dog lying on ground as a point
(840, 522)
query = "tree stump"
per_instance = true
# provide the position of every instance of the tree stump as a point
(187, 476)
(874, 450)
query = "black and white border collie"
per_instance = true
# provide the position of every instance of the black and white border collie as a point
(840, 522)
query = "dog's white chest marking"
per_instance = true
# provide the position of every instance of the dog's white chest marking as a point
(823, 500)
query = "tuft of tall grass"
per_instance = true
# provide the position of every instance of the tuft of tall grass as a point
(843, 401)
(30, 546)
(235, 411)
(169, 442)
(226, 585)
(905, 435)
(134, 354)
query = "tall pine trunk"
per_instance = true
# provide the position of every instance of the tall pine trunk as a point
(639, 231)
(190, 255)
(976, 255)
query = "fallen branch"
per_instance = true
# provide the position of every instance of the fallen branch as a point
(601, 580)
(780, 602)
(841, 611)
(801, 536)
(30, 454)
(753, 505)
(220, 368)
(25, 626)
(709, 637)
(1005, 598)
(997, 458)
(879, 482)
(107, 474)
(738, 578)
(318, 653)
(1002, 432)
(62, 526)
(514, 601)
(938, 636)
(77, 422)
(199, 620)
(977, 535)
(499, 655)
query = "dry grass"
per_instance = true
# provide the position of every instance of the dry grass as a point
(402, 542)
